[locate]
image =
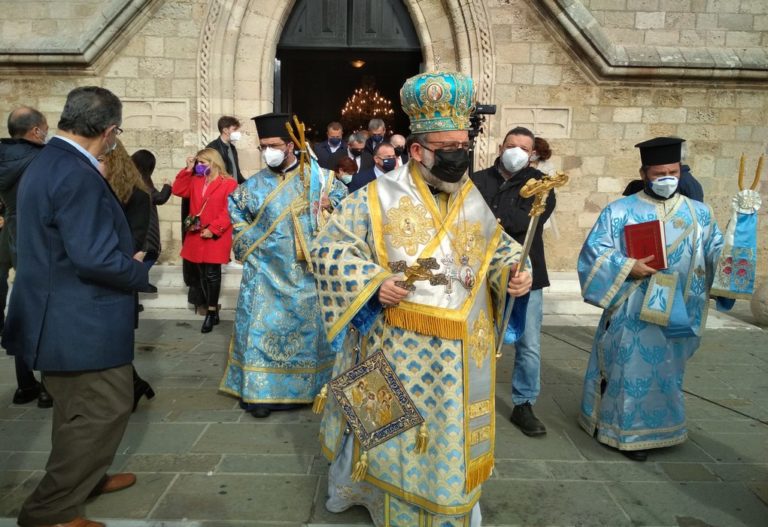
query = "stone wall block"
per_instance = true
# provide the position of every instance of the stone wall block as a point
(155, 67)
(180, 48)
(627, 115)
(702, 115)
(154, 46)
(735, 21)
(738, 39)
(662, 37)
(684, 20)
(123, 67)
(651, 20)
(706, 21)
(723, 6)
(675, 5)
(587, 219)
(664, 115)
(642, 5)
(635, 132)
(610, 185)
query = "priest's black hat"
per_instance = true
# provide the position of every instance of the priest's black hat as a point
(660, 150)
(272, 125)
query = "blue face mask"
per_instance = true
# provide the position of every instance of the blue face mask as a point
(664, 186)
(388, 165)
(334, 141)
(378, 138)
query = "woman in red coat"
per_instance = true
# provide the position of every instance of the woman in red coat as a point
(209, 231)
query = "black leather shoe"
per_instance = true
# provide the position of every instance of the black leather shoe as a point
(151, 289)
(636, 455)
(209, 322)
(526, 421)
(141, 388)
(261, 411)
(44, 400)
(27, 395)
(216, 319)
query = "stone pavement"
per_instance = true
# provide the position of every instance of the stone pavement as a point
(203, 462)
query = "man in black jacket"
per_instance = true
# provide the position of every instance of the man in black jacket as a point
(500, 186)
(229, 134)
(28, 129)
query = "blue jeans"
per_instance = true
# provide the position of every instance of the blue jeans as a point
(526, 377)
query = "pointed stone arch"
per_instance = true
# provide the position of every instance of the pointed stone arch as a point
(238, 45)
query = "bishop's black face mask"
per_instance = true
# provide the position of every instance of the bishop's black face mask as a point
(449, 165)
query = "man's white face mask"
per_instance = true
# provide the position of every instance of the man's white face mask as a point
(664, 186)
(273, 157)
(514, 159)
(235, 136)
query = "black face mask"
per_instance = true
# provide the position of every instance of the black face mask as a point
(399, 150)
(356, 151)
(450, 165)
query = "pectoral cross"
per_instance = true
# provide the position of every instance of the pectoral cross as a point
(419, 272)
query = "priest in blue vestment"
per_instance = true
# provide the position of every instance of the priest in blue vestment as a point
(652, 320)
(279, 357)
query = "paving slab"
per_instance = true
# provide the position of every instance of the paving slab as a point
(713, 504)
(241, 497)
(203, 462)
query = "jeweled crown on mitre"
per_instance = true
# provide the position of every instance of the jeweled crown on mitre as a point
(438, 102)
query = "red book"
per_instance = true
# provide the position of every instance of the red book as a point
(645, 239)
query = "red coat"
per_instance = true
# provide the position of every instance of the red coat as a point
(214, 217)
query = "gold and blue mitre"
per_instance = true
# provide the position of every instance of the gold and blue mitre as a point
(438, 102)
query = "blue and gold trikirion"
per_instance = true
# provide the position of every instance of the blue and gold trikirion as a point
(438, 102)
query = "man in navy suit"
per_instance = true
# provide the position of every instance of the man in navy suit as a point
(384, 161)
(72, 309)
(325, 150)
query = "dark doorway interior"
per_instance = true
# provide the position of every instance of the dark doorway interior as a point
(315, 84)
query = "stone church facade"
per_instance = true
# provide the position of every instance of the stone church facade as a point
(592, 76)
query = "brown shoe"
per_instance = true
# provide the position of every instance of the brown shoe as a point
(114, 483)
(77, 522)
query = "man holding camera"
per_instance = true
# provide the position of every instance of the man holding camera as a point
(500, 186)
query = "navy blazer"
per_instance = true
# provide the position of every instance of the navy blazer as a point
(72, 305)
(325, 156)
(361, 179)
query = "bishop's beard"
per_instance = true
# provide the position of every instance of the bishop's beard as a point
(443, 186)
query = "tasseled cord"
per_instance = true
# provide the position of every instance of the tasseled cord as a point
(361, 468)
(319, 404)
(422, 439)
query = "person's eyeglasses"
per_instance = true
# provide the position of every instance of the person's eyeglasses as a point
(450, 145)
(118, 130)
(264, 147)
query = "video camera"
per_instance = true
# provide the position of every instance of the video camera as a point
(477, 118)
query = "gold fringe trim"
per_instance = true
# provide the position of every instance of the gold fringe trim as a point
(319, 404)
(361, 468)
(426, 324)
(422, 439)
(478, 472)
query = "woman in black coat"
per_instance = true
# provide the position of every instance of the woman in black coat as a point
(129, 189)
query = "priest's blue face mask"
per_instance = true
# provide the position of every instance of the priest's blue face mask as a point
(664, 186)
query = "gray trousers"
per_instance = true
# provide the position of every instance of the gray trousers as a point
(90, 413)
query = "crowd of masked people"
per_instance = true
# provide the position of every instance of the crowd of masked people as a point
(80, 228)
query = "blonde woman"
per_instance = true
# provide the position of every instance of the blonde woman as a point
(208, 237)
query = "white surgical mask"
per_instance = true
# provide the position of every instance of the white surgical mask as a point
(664, 186)
(273, 157)
(235, 136)
(514, 159)
(346, 179)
